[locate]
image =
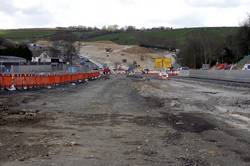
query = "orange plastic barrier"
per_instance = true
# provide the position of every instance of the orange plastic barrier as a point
(63, 79)
(68, 78)
(18, 80)
(79, 76)
(6, 81)
(51, 79)
(28, 81)
(82, 76)
(74, 77)
(45, 80)
(89, 75)
(1, 80)
(58, 79)
(36, 80)
(97, 74)
(33, 80)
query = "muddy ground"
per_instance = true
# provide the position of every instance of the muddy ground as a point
(126, 121)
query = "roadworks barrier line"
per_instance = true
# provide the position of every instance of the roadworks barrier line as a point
(26, 81)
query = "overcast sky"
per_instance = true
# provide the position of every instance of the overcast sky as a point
(140, 13)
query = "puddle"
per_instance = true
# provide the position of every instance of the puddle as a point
(154, 102)
(246, 159)
(188, 122)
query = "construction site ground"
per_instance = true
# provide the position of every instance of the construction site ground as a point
(120, 54)
(126, 121)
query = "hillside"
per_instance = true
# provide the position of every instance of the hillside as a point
(178, 34)
(26, 34)
(128, 38)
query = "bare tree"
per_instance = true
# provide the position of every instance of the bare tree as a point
(244, 37)
(200, 48)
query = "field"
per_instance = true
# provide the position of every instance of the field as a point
(178, 34)
(26, 34)
(128, 38)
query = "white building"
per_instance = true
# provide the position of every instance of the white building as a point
(45, 58)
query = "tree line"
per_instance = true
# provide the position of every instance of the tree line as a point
(8, 48)
(112, 28)
(203, 48)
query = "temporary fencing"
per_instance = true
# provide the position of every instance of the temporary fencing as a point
(43, 80)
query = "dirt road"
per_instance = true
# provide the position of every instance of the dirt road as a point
(126, 121)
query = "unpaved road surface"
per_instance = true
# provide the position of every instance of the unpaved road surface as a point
(126, 121)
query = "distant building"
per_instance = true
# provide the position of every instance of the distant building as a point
(11, 60)
(37, 49)
(45, 58)
(7, 61)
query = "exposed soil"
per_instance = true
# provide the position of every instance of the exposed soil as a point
(120, 54)
(189, 122)
(137, 50)
(126, 121)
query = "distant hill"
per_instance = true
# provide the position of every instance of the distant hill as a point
(156, 37)
(178, 35)
(26, 34)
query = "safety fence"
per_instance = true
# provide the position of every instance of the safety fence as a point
(43, 80)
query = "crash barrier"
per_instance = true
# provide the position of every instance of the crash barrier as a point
(224, 75)
(184, 73)
(43, 80)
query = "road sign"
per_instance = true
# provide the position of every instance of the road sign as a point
(163, 63)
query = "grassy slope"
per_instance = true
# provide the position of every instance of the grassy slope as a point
(178, 34)
(121, 37)
(26, 34)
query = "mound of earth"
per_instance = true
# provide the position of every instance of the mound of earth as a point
(137, 50)
(106, 42)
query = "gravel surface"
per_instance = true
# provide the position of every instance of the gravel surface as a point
(126, 121)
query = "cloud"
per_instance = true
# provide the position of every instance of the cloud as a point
(7, 7)
(34, 17)
(127, 2)
(215, 3)
(192, 20)
(34, 11)
(140, 13)
(17, 16)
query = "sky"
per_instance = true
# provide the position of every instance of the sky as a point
(139, 13)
